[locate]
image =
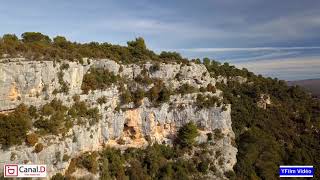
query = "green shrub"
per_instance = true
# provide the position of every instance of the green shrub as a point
(230, 175)
(53, 119)
(89, 161)
(155, 67)
(105, 174)
(154, 162)
(136, 171)
(93, 115)
(14, 126)
(65, 157)
(32, 139)
(187, 134)
(115, 163)
(102, 100)
(33, 112)
(207, 101)
(80, 111)
(209, 135)
(159, 93)
(138, 95)
(164, 95)
(53, 125)
(187, 89)
(203, 166)
(64, 66)
(170, 56)
(64, 88)
(32, 37)
(126, 97)
(58, 176)
(98, 78)
(143, 77)
(38, 148)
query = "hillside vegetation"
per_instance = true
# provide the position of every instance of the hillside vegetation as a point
(37, 46)
(285, 133)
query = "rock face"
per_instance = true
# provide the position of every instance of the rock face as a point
(34, 83)
(264, 101)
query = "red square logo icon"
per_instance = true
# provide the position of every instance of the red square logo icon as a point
(10, 170)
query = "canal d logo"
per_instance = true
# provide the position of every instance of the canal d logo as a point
(10, 170)
(24, 170)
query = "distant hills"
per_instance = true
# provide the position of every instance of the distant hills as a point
(311, 85)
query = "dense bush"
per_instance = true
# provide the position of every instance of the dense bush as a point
(102, 100)
(35, 37)
(32, 139)
(65, 158)
(138, 95)
(155, 67)
(143, 78)
(172, 56)
(38, 148)
(58, 176)
(187, 134)
(187, 89)
(126, 97)
(14, 126)
(64, 87)
(217, 69)
(203, 101)
(89, 161)
(159, 93)
(113, 164)
(64, 66)
(82, 113)
(53, 118)
(154, 162)
(98, 78)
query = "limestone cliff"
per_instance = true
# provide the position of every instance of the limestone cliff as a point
(37, 83)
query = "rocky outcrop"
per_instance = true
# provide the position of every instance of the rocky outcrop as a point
(264, 101)
(35, 83)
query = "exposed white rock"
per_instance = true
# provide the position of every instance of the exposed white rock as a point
(264, 101)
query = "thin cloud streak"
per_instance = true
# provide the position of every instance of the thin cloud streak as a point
(287, 69)
(247, 49)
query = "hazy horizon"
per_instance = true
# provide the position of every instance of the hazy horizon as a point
(286, 63)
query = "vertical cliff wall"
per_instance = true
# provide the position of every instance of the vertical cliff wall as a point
(37, 83)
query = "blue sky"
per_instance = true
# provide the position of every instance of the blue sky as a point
(247, 33)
